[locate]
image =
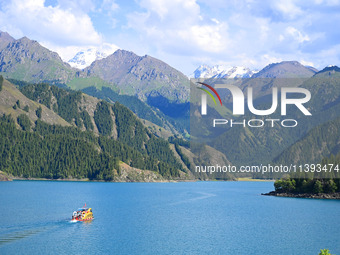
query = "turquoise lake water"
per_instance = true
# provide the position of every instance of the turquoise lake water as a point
(163, 218)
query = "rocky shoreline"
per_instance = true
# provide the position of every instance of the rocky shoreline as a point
(5, 177)
(304, 195)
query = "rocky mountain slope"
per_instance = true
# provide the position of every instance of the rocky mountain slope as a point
(146, 78)
(5, 39)
(141, 76)
(285, 69)
(27, 60)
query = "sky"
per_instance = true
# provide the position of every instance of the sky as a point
(184, 33)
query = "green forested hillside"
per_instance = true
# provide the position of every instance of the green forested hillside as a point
(102, 118)
(61, 101)
(141, 109)
(1, 81)
(53, 152)
(32, 148)
(320, 142)
(325, 180)
(127, 128)
(315, 136)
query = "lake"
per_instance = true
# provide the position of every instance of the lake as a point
(163, 218)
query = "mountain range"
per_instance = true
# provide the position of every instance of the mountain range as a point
(27, 60)
(159, 95)
(286, 69)
(313, 139)
(148, 79)
(142, 76)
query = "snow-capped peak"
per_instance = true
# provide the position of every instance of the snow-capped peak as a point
(222, 71)
(86, 57)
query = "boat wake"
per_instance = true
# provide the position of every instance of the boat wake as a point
(198, 196)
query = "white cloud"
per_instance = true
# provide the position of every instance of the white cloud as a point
(250, 33)
(297, 35)
(185, 32)
(178, 25)
(306, 63)
(328, 2)
(268, 59)
(215, 20)
(170, 9)
(77, 6)
(53, 24)
(288, 8)
(61, 30)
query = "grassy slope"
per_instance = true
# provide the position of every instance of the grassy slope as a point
(10, 95)
(79, 83)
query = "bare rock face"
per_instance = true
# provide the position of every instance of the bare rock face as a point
(286, 69)
(141, 76)
(25, 59)
(5, 39)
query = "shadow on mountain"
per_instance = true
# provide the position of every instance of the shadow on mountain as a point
(171, 109)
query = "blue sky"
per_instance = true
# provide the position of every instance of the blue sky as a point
(185, 33)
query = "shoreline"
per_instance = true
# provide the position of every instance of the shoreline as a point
(88, 180)
(11, 178)
(246, 179)
(333, 196)
(7, 177)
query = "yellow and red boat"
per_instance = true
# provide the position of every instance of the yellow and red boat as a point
(82, 214)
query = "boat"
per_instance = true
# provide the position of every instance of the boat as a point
(82, 214)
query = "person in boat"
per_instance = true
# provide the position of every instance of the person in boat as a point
(76, 215)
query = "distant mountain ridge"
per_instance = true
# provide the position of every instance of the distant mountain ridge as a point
(285, 69)
(222, 71)
(163, 88)
(142, 76)
(159, 86)
(313, 139)
(25, 59)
